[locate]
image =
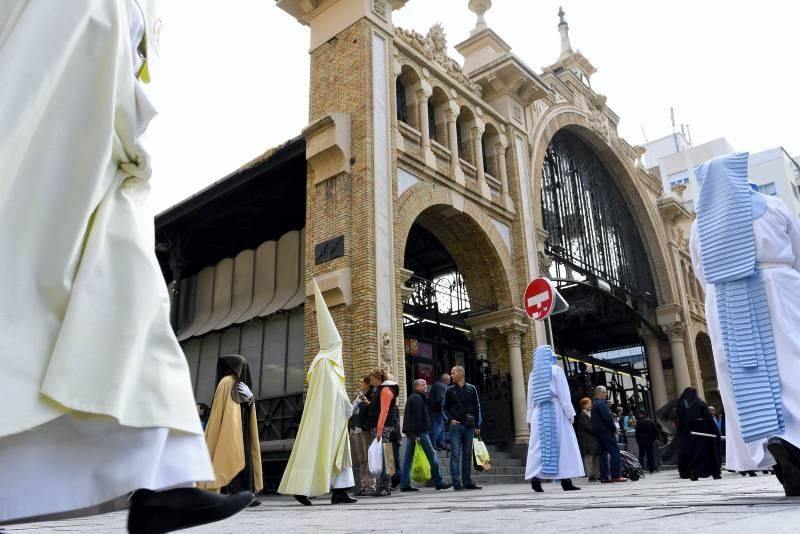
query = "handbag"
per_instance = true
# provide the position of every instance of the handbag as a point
(375, 458)
(469, 419)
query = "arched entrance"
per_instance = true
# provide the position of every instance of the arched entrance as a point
(600, 265)
(708, 371)
(458, 274)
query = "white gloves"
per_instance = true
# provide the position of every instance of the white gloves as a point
(244, 391)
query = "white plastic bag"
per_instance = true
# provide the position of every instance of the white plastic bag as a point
(375, 456)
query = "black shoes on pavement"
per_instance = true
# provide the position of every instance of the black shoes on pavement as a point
(536, 485)
(410, 488)
(567, 485)
(444, 486)
(302, 499)
(340, 496)
(788, 467)
(166, 511)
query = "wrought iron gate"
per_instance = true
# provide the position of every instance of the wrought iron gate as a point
(591, 231)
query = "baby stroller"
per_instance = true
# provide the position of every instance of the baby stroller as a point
(631, 468)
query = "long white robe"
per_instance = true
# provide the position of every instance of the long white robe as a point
(777, 235)
(92, 373)
(570, 463)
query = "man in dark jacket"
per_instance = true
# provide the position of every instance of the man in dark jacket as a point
(462, 408)
(436, 403)
(417, 427)
(604, 432)
(646, 434)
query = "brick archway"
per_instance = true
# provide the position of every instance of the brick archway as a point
(468, 234)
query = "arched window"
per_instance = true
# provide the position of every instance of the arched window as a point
(402, 108)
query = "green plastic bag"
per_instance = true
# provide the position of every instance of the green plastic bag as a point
(420, 467)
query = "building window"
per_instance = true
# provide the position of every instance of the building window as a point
(484, 156)
(460, 140)
(768, 189)
(431, 121)
(679, 178)
(402, 108)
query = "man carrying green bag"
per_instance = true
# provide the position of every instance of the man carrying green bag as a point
(420, 456)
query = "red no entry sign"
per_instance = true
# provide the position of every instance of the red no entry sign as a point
(539, 299)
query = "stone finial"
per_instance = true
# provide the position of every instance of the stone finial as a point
(480, 7)
(563, 29)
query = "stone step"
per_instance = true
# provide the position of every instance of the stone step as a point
(494, 471)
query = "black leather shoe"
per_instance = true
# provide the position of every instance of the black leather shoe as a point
(444, 486)
(472, 486)
(788, 458)
(302, 499)
(410, 488)
(536, 485)
(457, 486)
(166, 511)
(341, 497)
(567, 485)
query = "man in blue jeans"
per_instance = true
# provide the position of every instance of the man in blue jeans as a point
(417, 426)
(436, 404)
(604, 431)
(462, 408)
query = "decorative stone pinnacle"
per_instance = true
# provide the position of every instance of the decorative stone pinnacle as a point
(480, 7)
(563, 29)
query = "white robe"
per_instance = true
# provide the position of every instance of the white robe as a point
(570, 462)
(84, 316)
(777, 235)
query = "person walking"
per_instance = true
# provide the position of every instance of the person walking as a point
(587, 441)
(416, 427)
(462, 409)
(745, 249)
(320, 461)
(100, 398)
(232, 430)
(436, 403)
(646, 434)
(605, 431)
(553, 451)
(719, 422)
(697, 456)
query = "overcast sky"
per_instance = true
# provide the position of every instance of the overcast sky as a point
(234, 80)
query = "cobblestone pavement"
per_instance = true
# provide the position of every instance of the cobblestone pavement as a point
(656, 504)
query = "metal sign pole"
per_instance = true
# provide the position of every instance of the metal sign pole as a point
(548, 332)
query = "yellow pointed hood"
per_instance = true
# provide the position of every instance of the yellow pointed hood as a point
(330, 343)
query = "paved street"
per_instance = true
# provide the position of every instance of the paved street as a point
(655, 504)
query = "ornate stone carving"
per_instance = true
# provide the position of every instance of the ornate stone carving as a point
(679, 237)
(434, 47)
(674, 331)
(387, 351)
(545, 262)
(516, 111)
(379, 7)
(599, 123)
(513, 333)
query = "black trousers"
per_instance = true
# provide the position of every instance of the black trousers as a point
(646, 451)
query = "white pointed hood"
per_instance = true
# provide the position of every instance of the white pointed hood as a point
(330, 343)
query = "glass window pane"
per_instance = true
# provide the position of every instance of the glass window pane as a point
(191, 349)
(207, 374)
(295, 368)
(230, 341)
(252, 337)
(274, 359)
